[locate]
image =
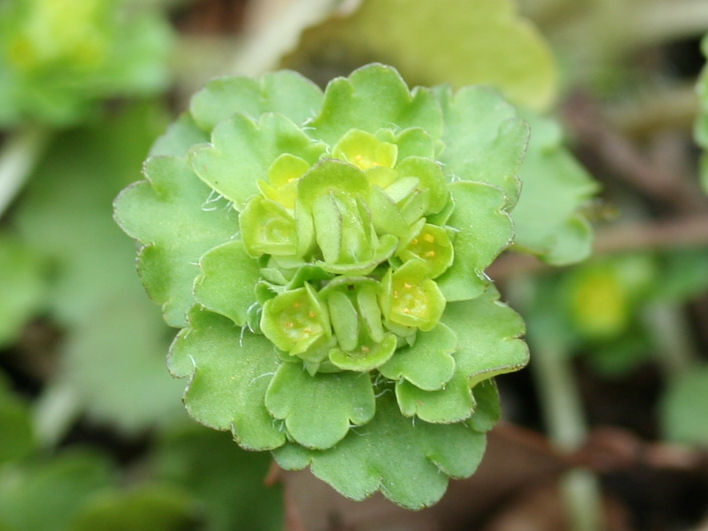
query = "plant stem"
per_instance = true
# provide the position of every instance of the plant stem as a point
(664, 21)
(18, 156)
(562, 409)
(55, 411)
(675, 106)
(673, 337)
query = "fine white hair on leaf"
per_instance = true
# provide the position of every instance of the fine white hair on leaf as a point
(254, 380)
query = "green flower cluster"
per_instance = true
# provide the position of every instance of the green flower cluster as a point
(325, 254)
(59, 57)
(358, 219)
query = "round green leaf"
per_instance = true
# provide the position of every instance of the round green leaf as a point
(283, 92)
(215, 288)
(242, 150)
(488, 334)
(428, 364)
(229, 370)
(483, 230)
(557, 185)
(485, 140)
(319, 409)
(374, 97)
(178, 219)
(408, 462)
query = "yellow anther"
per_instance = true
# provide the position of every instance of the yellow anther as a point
(311, 314)
(289, 324)
(365, 349)
(429, 238)
(296, 305)
(307, 330)
(415, 241)
(406, 310)
(407, 285)
(395, 293)
(429, 254)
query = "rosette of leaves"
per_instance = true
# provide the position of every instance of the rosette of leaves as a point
(324, 254)
(58, 58)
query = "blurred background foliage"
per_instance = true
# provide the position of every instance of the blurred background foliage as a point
(92, 432)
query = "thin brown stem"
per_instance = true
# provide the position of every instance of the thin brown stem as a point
(659, 235)
(609, 147)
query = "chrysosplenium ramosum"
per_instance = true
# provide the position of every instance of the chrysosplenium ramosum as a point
(325, 256)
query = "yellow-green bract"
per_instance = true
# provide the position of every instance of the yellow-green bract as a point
(324, 255)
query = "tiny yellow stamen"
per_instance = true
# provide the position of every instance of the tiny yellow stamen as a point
(429, 238)
(407, 285)
(429, 254)
(365, 349)
(311, 314)
(289, 324)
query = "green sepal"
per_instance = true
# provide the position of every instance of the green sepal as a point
(340, 231)
(371, 98)
(267, 228)
(483, 230)
(433, 247)
(215, 288)
(175, 217)
(365, 151)
(412, 142)
(345, 320)
(370, 311)
(295, 320)
(284, 92)
(318, 409)
(229, 370)
(385, 216)
(488, 334)
(484, 139)
(431, 181)
(410, 297)
(387, 245)
(307, 273)
(366, 356)
(331, 176)
(283, 174)
(408, 462)
(331, 192)
(242, 151)
(428, 364)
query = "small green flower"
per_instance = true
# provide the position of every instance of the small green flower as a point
(324, 254)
